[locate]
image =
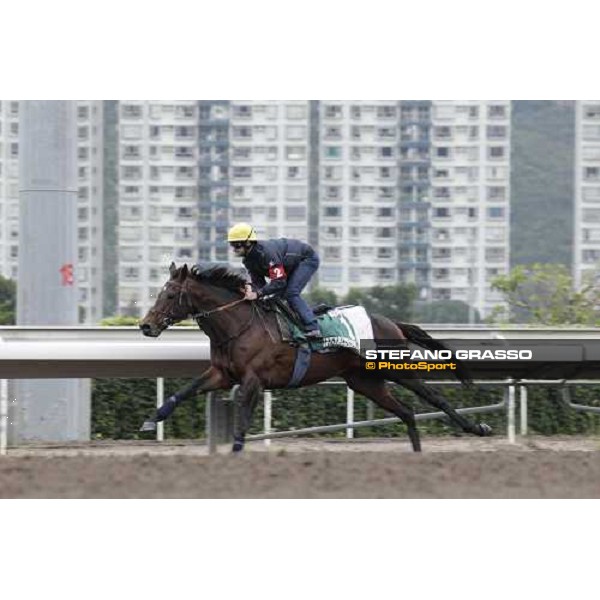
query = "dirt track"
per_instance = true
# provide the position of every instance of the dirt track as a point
(448, 468)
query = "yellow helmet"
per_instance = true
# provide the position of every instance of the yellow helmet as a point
(241, 232)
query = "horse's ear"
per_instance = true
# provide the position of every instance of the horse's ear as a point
(184, 272)
(172, 270)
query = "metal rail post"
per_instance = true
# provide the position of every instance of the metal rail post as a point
(349, 412)
(3, 416)
(510, 408)
(211, 425)
(523, 406)
(267, 399)
(160, 398)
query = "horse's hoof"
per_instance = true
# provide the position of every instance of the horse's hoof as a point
(237, 447)
(484, 430)
(148, 426)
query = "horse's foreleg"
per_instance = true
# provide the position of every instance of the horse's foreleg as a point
(249, 393)
(210, 380)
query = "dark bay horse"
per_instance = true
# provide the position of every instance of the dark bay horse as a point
(246, 349)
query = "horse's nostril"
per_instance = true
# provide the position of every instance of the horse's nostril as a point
(145, 327)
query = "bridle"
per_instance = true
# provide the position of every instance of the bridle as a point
(168, 319)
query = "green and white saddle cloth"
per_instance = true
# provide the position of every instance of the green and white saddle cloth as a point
(341, 327)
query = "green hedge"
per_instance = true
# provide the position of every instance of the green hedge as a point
(119, 406)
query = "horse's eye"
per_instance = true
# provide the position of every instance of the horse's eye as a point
(170, 296)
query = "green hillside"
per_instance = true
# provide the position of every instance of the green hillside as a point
(542, 181)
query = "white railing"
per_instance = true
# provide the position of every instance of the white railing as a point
(80, 352)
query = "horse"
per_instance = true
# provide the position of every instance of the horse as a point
(246, 349)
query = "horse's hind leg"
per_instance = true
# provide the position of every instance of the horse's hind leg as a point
(249, 393)
(378, 391)
(436, 399)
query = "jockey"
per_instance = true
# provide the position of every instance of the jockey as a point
(289, 264)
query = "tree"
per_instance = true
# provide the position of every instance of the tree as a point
(393, 301)
(545, 294)
(8, 301)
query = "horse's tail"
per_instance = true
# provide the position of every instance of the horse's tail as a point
(419, 336)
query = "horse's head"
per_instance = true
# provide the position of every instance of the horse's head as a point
(171, 306)
(191, 292)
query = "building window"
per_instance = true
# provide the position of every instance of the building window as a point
(243, 111)
(184, 112)
(591, 132)
(591, 194)
(241, 172)
(496, 152)
(496, 193)
(131, 132)
(496, 132)
(495, 254)
(295, 111)
(332, 211)
(131, 172)
(131, 111)
(295, 193)
(242, 133)
(295, 132)
(295, 152)
(591, 215)
(333, 133)
(441, 213)
(384, 233)
(496, 111)
(386, 112)
(295, 213)
(442, 133)
(591, 111)
(333, 152)
(495, 212)
(332, 233)
(333, 111)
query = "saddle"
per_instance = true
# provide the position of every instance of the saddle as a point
(291, 328)
(341, 327)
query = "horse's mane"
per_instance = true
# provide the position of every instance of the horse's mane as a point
(222, 275)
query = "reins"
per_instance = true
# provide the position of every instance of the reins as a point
(206, 314)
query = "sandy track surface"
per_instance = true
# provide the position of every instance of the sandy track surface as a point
(448, 468)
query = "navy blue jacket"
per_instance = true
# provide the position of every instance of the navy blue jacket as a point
(275, 259)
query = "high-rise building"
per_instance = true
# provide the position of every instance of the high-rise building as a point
(388, 191)
(213, 180)
(358, 216)
(9, 188)
(586, 247)
(270, 166)
(158, 196)
(90, 209)
(90, 145)
(470, 200)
